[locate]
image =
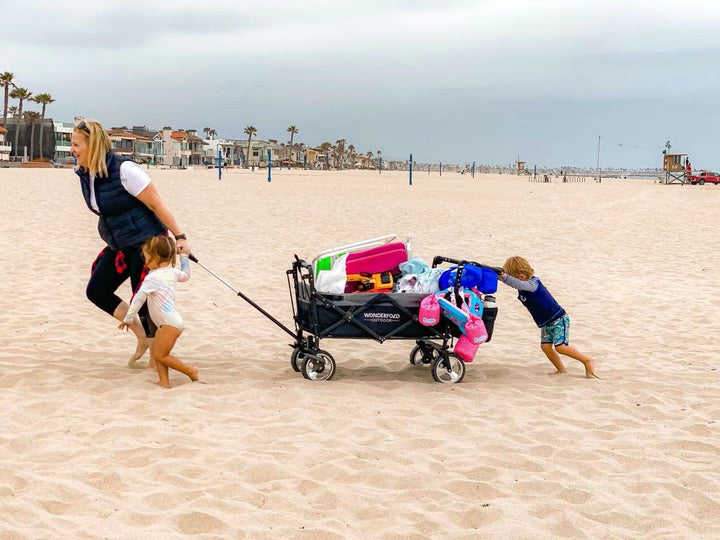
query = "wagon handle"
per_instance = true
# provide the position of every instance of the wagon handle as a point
(194, 259)
(439, 259)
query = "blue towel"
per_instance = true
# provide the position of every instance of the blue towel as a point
(414, 266)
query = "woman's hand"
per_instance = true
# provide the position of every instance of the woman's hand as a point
(182, 246)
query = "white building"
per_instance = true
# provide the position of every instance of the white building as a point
(231, 152)
(63, 132)
(4, 146)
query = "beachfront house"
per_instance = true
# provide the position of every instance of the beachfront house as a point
(158, 149)
(63, 132)
(4, 145)
(257, 154)
(196, 146)
(182, 148)
(177, 151)
(158, 145)
(139, 148)
(232, 151)
(293, 156)
(312, 157)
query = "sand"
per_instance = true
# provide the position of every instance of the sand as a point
(90, 448)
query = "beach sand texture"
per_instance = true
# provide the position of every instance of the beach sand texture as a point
(90, 448)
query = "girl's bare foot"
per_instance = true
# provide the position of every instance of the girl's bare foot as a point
(163, 385)
(194, 374)
(557, 372)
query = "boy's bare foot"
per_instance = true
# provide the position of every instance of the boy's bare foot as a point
(161, 385)
(590, 369)
(194, 374)
(557, 372)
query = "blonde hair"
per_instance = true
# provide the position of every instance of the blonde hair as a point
(515, 266)
(161, 248)
(98, 146)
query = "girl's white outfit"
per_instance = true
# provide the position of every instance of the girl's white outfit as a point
(158, 289)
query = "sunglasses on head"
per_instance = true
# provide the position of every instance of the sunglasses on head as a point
(82, 126)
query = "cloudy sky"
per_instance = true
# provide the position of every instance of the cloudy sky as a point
(448, 80)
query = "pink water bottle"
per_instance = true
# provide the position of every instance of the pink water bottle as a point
(429, 313)
(465, 348)
(475, 329)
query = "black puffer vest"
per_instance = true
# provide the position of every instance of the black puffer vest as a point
(124, 221)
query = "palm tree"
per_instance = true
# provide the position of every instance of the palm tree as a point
(351, 149)
(21, 94)
(379, 155)
(32, 116)
(206, 131)
(249, 131)
(44, 100)
(325, 149)
(6, 80)
(369, 156)
(340, 150)
(212, 133)
(292, 130)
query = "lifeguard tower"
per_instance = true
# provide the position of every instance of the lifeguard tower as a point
(674, 167)
(520, 167)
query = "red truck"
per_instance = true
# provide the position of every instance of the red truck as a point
(704, 176)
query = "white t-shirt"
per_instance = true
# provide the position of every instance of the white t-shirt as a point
(134, 179)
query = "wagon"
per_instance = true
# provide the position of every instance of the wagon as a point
(379, 317)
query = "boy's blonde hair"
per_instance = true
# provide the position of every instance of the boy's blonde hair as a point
(515, 266)
(161, 248)
(98, 146)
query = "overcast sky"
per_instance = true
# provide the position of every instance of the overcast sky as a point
(448, 80)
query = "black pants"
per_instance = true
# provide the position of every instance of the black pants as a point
(110, 270)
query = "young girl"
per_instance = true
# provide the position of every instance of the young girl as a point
(158, 288)
(554, 323)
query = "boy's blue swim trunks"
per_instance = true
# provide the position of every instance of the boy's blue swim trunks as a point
(556, 332)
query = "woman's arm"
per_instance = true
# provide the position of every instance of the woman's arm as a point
(151, 198)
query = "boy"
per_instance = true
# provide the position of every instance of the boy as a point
(547, 313)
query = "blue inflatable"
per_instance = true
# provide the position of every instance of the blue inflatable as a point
(483, 279)
(458, 315)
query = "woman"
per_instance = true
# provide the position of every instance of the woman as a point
(130, 212)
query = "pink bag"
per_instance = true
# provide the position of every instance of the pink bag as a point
(465, 348)
(429, 313)
(475, 329)
(385, 258)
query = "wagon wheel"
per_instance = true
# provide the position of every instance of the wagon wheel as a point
(297, 358)
(423, 355)
(448, 368)
(318, 366)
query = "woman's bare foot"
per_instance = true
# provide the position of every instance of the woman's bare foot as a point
(161, 385)
(142, 347)
(557, 372)
(194, 374)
